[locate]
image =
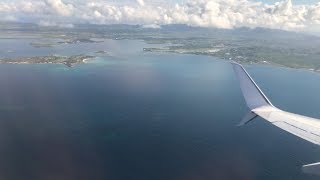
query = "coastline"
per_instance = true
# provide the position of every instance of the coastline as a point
(69, 61)
(273, 64)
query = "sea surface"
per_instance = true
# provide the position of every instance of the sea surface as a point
(131, 115)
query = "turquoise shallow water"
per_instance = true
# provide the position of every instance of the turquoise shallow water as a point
(149, 116)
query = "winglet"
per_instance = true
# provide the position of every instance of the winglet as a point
(251, 92)
(304, 127)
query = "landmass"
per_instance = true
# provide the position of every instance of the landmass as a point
(244, 45)
(69, 61)
(40, 44)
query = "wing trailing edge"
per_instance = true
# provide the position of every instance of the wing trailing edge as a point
(313, 169)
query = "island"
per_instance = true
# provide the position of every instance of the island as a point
(69, 61)
(48, 44)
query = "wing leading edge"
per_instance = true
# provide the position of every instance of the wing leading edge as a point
(304, 127)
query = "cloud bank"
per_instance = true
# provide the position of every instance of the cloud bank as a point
(205, 13)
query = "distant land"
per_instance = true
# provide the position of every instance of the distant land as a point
(244, 45)
(52, 59)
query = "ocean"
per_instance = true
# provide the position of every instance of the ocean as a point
(138, 115)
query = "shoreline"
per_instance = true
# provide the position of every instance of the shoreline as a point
(273, 64)
(69, 61)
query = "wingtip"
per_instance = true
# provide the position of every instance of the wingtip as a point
(235, 63)
(250, 90)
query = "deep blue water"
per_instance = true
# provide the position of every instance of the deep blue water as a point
(149, 116)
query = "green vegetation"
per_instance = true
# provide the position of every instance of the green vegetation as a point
(68, 61)
(244, 45)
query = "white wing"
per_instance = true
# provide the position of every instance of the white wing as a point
(304, 127)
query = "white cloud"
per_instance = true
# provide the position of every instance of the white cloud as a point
(47, 23)
(7, 7)
(140, 2)
(205, 13)
(60, 7)
(54, 24)
(9, 18)
(151, 26)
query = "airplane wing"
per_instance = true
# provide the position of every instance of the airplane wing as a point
(304, 127)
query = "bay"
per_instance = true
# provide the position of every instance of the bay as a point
(137, 115)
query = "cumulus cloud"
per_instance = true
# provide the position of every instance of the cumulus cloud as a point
(60, 7)
(204, 13)
(7, 7)
(140, 2)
